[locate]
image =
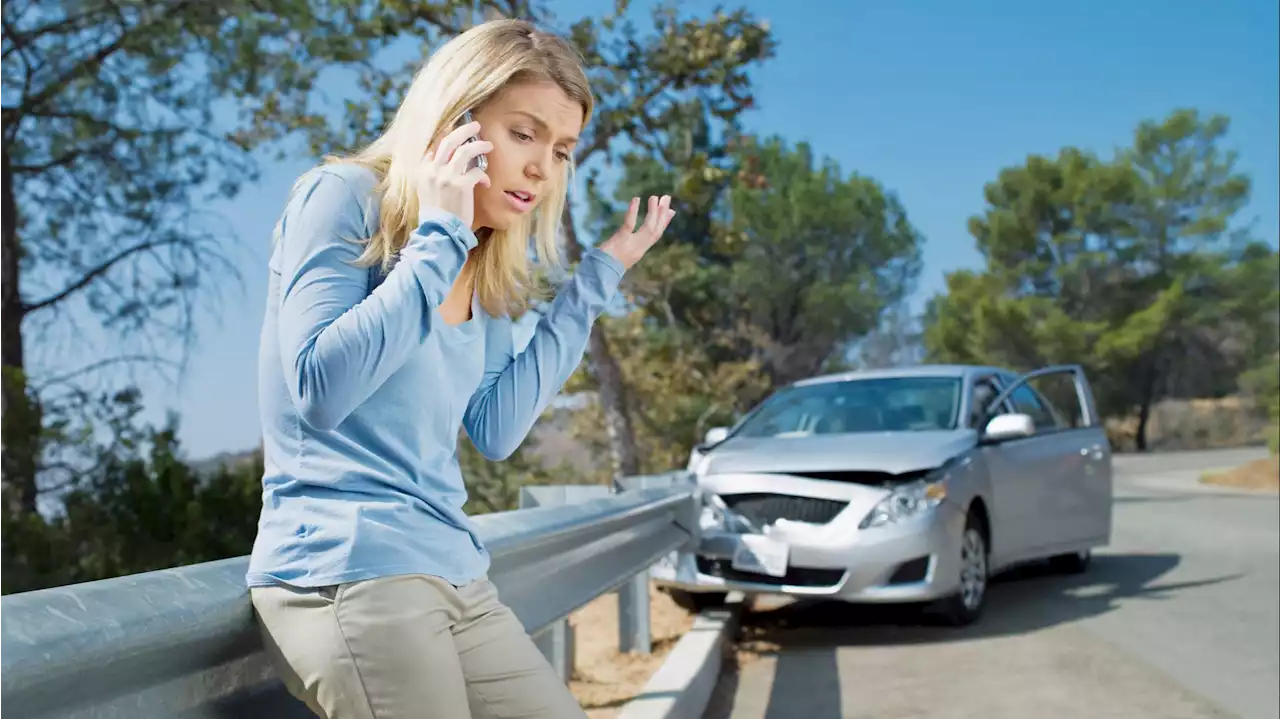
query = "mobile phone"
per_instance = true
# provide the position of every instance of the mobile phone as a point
(479, 161)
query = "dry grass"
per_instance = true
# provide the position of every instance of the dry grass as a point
(1263, 474)
(1194, 424)
(604, 680)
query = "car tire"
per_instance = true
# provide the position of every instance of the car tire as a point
(1073, 563)
(965, 606)
(695, 602)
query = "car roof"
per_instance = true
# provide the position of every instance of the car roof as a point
(922, 370)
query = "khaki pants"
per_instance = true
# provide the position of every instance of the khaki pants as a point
(408, 646)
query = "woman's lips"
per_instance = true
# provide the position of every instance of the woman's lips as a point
(522, 201)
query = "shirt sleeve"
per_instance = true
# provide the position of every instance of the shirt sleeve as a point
(338, 341)
(515, 389)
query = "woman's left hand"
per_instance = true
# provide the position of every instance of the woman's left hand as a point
(627, 246)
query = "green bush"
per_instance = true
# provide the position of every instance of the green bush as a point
(1262, 384)
(137, 511)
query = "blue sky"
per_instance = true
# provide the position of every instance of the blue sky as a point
(932, 98)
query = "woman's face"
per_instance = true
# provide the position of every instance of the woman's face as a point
(534, 129)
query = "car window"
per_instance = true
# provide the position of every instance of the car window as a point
(1027, 402)
(878, 404)
(984, 390)
(789, 416)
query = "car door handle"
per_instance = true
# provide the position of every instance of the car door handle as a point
(1095, 451)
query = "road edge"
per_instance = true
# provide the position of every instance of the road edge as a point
(683, 685)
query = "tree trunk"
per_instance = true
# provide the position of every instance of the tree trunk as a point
(1145, 405)
(604, 368)
(1140, 437)
(613, 401)
(21, 426)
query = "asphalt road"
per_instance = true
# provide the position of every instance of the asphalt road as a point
(1179, 617)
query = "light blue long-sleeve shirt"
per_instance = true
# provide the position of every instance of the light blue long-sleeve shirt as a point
(362, 389)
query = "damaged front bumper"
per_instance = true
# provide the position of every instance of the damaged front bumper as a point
(912, 560)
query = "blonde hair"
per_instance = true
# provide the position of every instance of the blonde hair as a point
(462, 75)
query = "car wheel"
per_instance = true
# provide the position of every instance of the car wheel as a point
(1073, 563)
(965, 606)
(695, 602)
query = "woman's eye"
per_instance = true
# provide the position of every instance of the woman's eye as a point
(521, 136)
(562, 156)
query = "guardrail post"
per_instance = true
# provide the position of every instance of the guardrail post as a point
(634, 634)
(557, 642)
(633, 615)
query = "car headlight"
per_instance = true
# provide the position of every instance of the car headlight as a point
(909, 500)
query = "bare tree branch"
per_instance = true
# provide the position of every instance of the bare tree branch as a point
(97, 271)
(99, 365)
(92, 63)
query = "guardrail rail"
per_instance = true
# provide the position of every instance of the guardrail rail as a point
(182, 642)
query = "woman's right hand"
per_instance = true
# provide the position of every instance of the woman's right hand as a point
(443, 180)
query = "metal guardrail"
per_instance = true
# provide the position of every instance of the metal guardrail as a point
(182, 642)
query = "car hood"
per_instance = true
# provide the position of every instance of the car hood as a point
(888, 452)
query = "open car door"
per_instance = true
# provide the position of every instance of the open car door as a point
(1053, 448)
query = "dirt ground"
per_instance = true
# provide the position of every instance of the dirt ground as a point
(1259, 474)
(604, 680)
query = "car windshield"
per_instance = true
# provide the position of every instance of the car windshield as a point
(890, 404)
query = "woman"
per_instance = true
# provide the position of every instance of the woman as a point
(392, 282)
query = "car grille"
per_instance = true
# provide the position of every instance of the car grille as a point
(768, 508)
(795, 577)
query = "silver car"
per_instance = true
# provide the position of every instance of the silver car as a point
(910, 485)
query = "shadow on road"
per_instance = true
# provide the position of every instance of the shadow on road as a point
(1021, 601)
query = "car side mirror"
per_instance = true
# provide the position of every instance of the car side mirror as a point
(1008, 426)
(716, 435)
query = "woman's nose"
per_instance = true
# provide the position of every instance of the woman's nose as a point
(537, 167)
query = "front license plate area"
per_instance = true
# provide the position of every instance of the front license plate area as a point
(761, 555)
